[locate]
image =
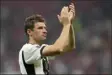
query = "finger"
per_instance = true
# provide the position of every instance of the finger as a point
(72, 3)
(72, 10)
(72, 13)
(64, 11)
(58, 16)
(71, 7)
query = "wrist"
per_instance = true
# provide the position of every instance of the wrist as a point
(66, 24)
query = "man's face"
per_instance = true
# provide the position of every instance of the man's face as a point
(39, 32)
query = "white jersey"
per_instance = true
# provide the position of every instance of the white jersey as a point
(31, 60)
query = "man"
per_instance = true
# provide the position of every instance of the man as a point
(33, 55)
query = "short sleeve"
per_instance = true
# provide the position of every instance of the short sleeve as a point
(33, 53)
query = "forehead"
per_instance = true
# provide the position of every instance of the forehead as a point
(39, 24)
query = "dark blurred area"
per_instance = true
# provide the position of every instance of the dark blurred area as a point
(92, 29)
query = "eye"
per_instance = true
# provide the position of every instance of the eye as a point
(40, 28)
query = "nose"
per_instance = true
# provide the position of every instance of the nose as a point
(44, 30)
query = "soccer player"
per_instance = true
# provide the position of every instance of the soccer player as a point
(33, 56)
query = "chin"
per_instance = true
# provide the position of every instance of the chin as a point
(44, 38)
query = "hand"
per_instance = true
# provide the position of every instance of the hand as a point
(64, 16)
(72, 11)
(67, 14)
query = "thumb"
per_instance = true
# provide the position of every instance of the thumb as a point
(59, 17)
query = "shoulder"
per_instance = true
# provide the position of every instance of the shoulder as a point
(27, 47)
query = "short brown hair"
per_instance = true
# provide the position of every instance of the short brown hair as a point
(31, 20)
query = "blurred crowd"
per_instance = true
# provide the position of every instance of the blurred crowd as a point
(92, 26)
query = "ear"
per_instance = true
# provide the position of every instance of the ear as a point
(29, 32)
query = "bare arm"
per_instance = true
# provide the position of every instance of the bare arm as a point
(71, 39)
(72, 33)
(60, 44)
(65, 40)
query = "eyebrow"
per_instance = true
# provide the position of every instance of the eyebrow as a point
(42, 27)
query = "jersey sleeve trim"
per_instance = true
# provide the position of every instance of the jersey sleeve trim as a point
(43, 46)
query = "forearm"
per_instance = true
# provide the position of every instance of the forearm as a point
(63, 40)
(61, 44)
(71, 38)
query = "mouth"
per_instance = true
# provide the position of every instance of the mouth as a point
(45, 35)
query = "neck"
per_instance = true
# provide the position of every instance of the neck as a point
(32, 41)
